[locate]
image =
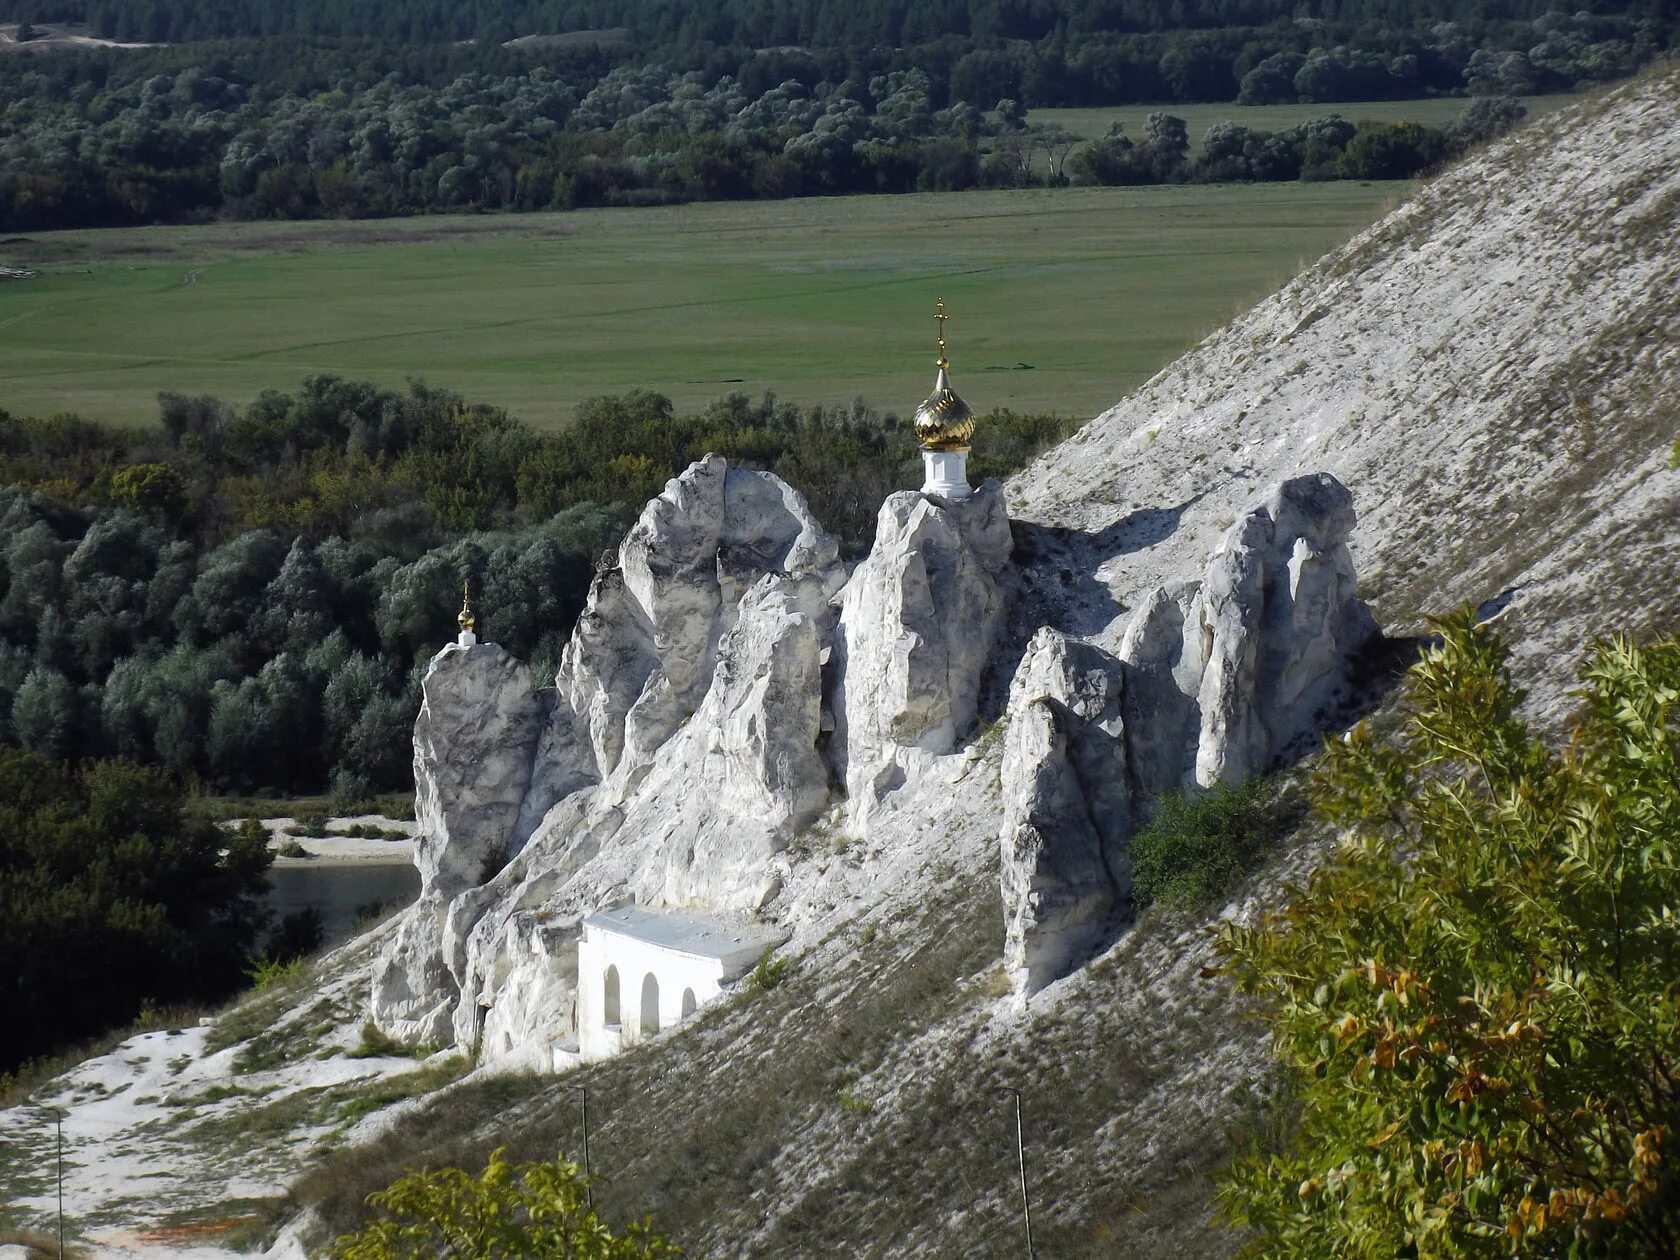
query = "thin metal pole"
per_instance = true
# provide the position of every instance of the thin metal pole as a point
(58, 1117)
(1021, 1154)
(1021, 1157)
(588, 1187)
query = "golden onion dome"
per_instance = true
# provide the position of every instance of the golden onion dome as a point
(465, 618)
(944, 422)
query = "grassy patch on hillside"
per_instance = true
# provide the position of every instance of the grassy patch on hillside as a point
(1196, 847)
(1062, 299)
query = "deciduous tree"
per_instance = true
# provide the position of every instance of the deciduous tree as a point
(1474, 999)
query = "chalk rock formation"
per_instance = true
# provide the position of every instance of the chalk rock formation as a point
(1253, 658)
(641, 658)
(1162, 649)
(479, 722)
(518, 995)
(414, 993)
(744, 775)
(1281, 608)
(678, 757)
(917, 623)
(1216, 681)
(1067, 808)
(763, 713)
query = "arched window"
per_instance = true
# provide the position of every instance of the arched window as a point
(688, 1003)
(650, 1005)
(609, 1001)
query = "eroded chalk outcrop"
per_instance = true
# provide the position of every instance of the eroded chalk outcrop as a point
(474, 743)
(643, 655)
(1216, 680)
(724, 682)
(918, 620)
(677, 754)
(1067, 808)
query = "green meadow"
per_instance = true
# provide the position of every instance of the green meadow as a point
(1061, 299)
(1438, 111)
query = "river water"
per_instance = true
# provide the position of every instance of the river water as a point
(344, 892)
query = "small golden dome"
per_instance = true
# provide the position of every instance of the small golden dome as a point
(944, 422)
(465, 618)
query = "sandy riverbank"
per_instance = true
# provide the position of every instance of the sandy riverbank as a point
(339, 849)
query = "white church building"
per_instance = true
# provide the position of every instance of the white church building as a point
(640, 971)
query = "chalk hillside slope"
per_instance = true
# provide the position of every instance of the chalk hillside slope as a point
(1493, 369)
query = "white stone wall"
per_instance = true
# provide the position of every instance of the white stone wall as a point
(673, 972)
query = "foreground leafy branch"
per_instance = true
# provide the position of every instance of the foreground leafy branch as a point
(1477, 997)
(537, 1210)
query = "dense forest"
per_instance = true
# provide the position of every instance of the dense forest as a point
(248, 598)
(290, 127)
(212, 140)
(114, 896)
(808, 23)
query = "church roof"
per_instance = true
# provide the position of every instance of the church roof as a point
(697, 935)
(944, 422)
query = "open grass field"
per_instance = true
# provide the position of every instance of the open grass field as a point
(1437, 111)
(1061, 299)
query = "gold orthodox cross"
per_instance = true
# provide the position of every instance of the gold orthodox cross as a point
(942, 317)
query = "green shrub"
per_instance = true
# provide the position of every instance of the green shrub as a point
(511, 1209)
(252, 834)
(399, 806)
(372, 831)
(311, 821)
(376, 1045)
(292, 849)
(769, 973)
(1196, 847)
(266, 973)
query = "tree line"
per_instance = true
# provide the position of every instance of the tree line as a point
(356, 133)
(249, 597)
(802, 23)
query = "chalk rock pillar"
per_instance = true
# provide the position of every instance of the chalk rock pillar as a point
(1067, 810)
(917, 622)
(474, 742)
(473, 745)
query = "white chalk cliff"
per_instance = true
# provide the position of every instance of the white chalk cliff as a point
(689, 736)
(1214, 681)
(726, 683)
(1489, 372)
